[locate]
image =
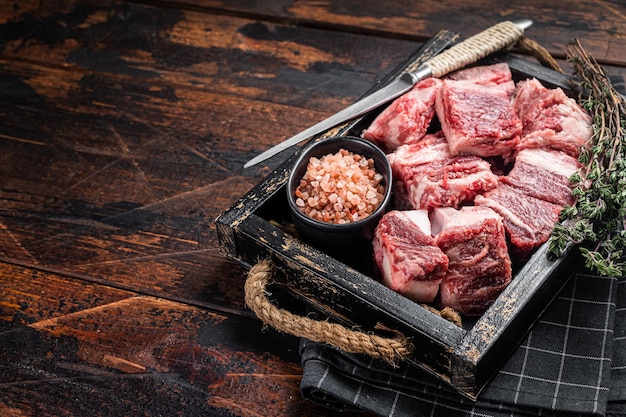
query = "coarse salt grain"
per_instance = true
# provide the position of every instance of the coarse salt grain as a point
(340, 188)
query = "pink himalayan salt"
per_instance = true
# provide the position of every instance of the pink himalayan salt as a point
(340, 188)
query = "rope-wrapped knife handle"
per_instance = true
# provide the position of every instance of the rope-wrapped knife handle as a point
(474, 48)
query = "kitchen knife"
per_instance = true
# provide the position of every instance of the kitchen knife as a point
(458, 56)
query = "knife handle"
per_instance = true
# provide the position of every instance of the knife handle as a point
(474, 48)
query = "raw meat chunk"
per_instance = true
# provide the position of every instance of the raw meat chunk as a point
(550, 118)
(426, 175)
(479, 268)
(478, 120)
(484, 75)
(406, 119)
(431, 148)
(406, 255)
(528, 220)
(544, 173)
(449, 182)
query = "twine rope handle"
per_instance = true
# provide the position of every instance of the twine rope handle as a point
(475, 47)
(353, 341)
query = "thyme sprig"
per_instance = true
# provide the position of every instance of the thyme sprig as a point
(595, 221)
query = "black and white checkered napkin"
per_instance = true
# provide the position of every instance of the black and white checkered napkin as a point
(617, 393)
(572, 362)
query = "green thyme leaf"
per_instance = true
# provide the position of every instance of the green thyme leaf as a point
(595, 222)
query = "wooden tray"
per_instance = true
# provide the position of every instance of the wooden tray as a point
(341, 285)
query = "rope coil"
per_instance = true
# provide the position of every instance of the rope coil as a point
(353, 341)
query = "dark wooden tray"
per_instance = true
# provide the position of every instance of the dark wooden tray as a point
(341, 285)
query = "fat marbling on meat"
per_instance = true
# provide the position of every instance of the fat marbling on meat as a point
(479, 265)
(407, 118)
(550, 118)
(528, 220)
(406, 255)
(489, 75)
(477, 119)
(544, 174)
(427, 175)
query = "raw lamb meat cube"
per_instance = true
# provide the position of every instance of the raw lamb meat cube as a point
(449, 182)
(484, 75)
(433, 147)
(406, 119)
(479, 266)
(406, 255)
(544, 173)
(528, 220)
(427, 175)
(477, 119)
(550, 118)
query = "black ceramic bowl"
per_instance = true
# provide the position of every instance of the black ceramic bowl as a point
(330, 234)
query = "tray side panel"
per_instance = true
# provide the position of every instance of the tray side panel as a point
(348, 296)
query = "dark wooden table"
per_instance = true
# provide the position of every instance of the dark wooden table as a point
(123, 130)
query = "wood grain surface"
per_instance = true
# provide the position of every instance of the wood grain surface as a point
(123, 130)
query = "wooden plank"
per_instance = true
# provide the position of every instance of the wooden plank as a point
(139, 170)
(28, 296)
(227, 53)
(74, 348)
(279, 63)
(600, 24)
(121, 199)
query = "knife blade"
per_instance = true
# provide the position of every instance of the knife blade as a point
(458, 56)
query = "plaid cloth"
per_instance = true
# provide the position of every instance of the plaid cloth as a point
(617, 394)
(564, 366)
